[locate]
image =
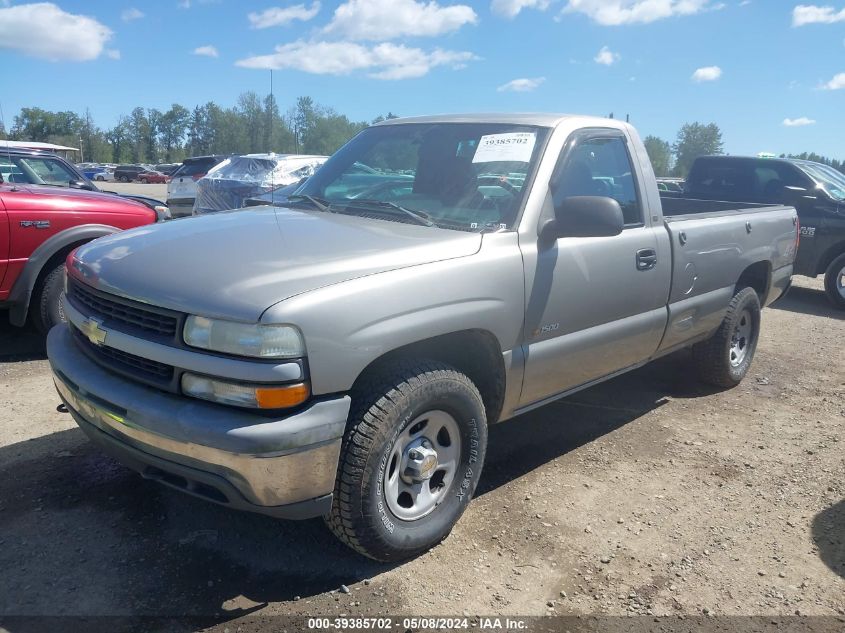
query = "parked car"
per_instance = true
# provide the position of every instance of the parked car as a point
(360, 348)
(128, 173)
(45, 168)
(675, 185)
(167, 168)
(230, 183)
(182, 188)
(39, 225)
(106, 175)
(816, 190)
(152, 176)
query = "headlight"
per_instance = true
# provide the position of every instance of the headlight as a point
(244, 339)
(241, 395)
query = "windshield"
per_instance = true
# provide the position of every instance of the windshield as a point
(830, 179)
(36, 171)
(468, 176)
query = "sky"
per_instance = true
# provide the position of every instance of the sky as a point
(770, 73)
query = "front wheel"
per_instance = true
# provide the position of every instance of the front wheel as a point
(834, 282)
(410, 461)
(725, 358)
(47, 309)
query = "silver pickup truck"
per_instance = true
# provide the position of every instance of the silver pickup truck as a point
(344, 355)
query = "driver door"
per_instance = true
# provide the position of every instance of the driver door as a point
(596, 305)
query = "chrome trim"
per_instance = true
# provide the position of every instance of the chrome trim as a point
(218, 366)
(266, 479)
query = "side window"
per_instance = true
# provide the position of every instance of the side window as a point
(51, 172)
(601, 167)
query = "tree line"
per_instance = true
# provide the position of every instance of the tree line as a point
(147, 135)
(697, 139)
(255, 124)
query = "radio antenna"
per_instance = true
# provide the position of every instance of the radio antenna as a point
(6, 142)
(270, 115)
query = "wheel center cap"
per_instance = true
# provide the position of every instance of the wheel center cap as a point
(420, 461)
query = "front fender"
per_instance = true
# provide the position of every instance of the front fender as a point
(21, 292)
(349, 325)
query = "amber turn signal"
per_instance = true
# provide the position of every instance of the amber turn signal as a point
(281, 397)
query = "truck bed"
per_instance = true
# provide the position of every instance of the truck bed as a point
(713, 242)
(677, 205)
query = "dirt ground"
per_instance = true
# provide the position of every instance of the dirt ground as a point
(649, 494)
(157, 190)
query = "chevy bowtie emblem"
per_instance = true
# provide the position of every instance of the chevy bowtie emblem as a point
(90, 327)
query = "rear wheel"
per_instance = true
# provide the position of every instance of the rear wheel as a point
(123, 179)
(724, 359)
(411, 459)
(834, 282)
(142, 180)
(47, 305)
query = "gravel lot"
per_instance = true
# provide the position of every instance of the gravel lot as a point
(157, 191)
(647, 494)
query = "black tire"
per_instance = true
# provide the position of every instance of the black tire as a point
(383, 409)
(123, 179)
(835, 272)
(719, 361)
(47, 305)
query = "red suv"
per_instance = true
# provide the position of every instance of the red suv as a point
(43, 217)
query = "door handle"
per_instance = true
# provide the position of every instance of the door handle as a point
(646, 259)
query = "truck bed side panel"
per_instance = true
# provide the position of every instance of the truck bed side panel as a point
(710, 252)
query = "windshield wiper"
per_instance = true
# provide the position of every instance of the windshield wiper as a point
(322, 205)
(418, 216)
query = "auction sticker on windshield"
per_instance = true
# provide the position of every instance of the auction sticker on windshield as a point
(514, 146)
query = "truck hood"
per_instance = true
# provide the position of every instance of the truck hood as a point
(235, 265)
(77, 199)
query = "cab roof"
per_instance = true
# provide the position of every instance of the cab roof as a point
(518, 118)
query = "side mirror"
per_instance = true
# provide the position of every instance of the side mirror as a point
(80, 184)
(584, 216)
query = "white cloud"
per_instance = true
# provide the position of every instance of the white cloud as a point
(811, 14)
(521, 85)
(606, 57)
(837, 83)
(44, 30)
(113, 53)
(388, 19)
(131, 14)
(511, 8)
(383, 61)
(616, 12)
(206, 51)
(799, 122)
(708, 73)
(278, 16)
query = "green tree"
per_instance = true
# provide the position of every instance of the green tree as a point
(660, 153)
(694, 140)
(172, 126)
(119, 139)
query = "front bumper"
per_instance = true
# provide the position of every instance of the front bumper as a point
(284, 466)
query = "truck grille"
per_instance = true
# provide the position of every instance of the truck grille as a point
(136, 367)
(124, 311)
